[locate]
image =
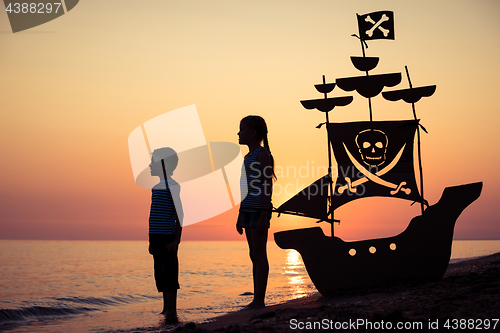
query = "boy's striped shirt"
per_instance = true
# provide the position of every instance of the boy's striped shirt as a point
(162, 215)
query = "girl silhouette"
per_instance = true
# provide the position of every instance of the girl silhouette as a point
(255, 209)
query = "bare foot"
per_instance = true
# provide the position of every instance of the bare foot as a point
(255, 305)
(171, 318)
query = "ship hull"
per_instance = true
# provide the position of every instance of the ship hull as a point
(422, 251)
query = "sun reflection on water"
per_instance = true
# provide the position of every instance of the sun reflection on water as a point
(295, 270)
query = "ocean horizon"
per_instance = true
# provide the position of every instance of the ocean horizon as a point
(108, 286)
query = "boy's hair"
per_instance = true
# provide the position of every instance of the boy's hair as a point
(169, 156)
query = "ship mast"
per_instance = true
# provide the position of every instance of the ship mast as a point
(325, 105)
(413, 95)
(330, 210)
(419, 153)
(363, 43)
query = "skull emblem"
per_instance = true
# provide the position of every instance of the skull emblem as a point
(372, 145)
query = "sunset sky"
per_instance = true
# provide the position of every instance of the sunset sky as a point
(73, 89)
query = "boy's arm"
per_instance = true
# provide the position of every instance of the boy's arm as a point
(176, 196)
(178, 232)
(179, 212)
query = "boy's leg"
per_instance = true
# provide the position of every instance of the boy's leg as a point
(171, 281)
(158, 258)
(165, 303)
(171, 302)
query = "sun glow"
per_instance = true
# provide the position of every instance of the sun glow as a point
(296, 278)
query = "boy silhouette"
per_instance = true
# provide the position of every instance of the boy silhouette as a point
(165, 228)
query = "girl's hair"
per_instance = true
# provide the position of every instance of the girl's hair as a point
(259, 125)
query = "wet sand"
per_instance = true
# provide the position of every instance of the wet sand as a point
(468, 294)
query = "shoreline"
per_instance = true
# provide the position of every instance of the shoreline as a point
(469, 290)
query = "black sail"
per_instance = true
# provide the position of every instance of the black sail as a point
(310, 202)
(374, 158)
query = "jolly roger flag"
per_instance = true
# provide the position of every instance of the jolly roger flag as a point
(376, 25)
(373, 159)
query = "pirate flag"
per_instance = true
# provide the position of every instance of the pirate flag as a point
(374, 159)
(376, 25)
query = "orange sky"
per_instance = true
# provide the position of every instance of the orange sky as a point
(73, 89)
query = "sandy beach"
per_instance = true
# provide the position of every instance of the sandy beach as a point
(468, 296)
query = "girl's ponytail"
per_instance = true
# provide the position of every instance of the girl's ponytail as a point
(266, 145)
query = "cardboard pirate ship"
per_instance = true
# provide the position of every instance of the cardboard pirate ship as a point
(374, 158)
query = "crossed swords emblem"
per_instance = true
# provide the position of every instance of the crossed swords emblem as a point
(374, 177)
(377, 25)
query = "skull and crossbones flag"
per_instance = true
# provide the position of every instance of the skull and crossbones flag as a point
(376, 25)
(373, 159)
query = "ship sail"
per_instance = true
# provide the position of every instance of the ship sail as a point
(310, 202)
(374, 158)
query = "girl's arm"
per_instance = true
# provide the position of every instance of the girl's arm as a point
(239, 228)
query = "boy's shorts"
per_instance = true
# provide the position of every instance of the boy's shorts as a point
(250, 219)
(166, 263)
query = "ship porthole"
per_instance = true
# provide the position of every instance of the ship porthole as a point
(372, 249)
(352, 252)
(392, 246)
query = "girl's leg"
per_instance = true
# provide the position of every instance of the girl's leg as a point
(248, 235)
(257, 243)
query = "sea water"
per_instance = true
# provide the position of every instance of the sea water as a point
(108, 286)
